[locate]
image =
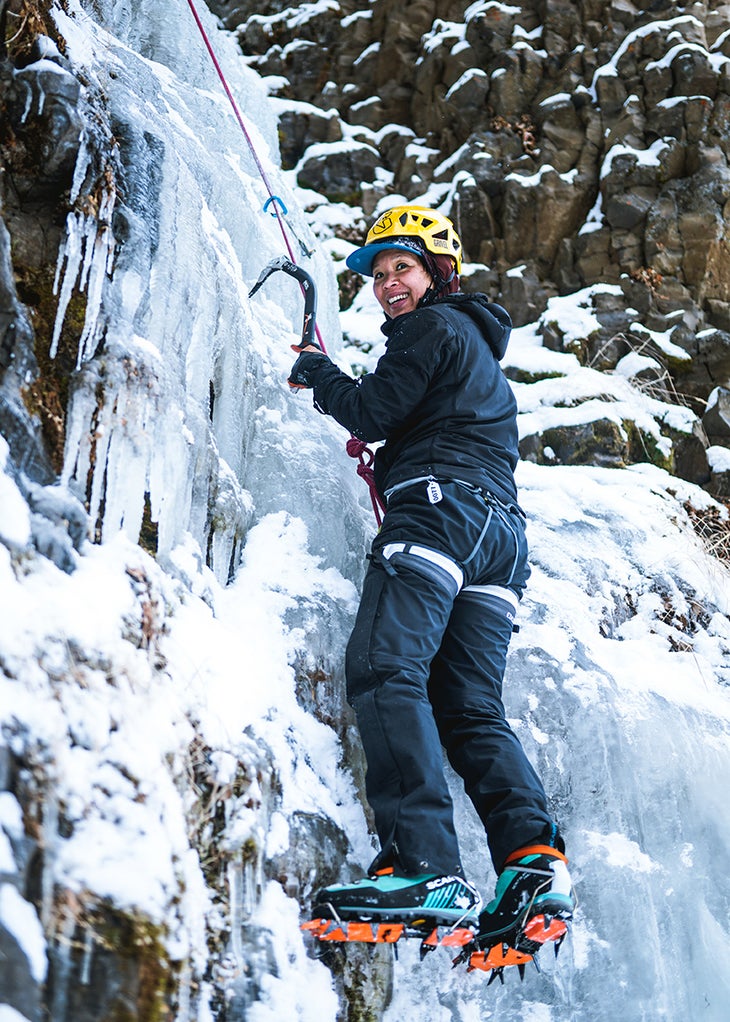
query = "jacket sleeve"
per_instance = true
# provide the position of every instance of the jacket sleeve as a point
(379, 402)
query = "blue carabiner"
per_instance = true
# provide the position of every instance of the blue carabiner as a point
(276, 198)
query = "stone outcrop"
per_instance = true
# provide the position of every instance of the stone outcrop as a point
(596, 135)
(716, 419)
(40, 138)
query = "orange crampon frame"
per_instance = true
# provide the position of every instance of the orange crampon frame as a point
(385, 933)
(539, 930)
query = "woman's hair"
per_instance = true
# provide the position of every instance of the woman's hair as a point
(443, 271)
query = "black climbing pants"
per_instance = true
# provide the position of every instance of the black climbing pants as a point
(425, 664)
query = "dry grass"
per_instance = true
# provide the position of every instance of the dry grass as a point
(662, 386)
(713, 528)
(22, 21)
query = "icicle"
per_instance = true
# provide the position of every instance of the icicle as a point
(62, 962)
(86, 962)
(88, 254)
(88, 430)
(83, 162)
(98, 260)
(85, 257)
(235, 890)
(50, 846)
(28, 104)
(70, 253)
(248, 893)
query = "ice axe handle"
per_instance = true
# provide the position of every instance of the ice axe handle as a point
(308, 290)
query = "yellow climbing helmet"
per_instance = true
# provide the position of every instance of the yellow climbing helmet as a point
(399, 228)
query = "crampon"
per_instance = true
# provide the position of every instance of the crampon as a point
(518, 950)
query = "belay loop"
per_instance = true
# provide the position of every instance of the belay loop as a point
(360, 450)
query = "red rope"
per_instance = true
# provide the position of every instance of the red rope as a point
(240, 120)
(354, 447)
(359, 449)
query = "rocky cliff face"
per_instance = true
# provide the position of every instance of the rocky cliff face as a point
(571, 142)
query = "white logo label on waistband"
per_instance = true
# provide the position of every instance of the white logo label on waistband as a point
(434, 491)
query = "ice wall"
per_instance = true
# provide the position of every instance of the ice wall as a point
(190, 370)
(617, 687)
(154, 710)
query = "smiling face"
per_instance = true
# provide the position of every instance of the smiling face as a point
(400, 280)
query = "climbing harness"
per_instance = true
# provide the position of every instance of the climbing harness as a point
(354, 447)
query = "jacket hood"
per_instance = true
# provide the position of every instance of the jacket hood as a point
(493, 321)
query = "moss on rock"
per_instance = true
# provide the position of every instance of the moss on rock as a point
(47, 395)
(117, 968)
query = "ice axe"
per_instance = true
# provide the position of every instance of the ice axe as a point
(308, 290)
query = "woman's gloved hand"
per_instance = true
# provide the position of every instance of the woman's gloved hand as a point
(304, 369)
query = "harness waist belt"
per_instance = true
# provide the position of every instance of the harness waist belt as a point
(510, 506)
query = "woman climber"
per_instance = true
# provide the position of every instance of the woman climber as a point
(428, 651)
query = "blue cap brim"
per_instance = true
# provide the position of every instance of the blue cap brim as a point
(361, 260)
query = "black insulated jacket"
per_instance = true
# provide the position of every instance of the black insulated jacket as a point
(437, 397)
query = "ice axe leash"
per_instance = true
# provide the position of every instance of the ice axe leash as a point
(355, 448)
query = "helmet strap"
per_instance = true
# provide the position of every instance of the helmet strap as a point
(428, 297)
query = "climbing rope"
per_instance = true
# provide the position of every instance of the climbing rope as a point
(354, 447)
(360, 450)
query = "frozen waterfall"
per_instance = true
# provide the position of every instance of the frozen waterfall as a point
(191, 370)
